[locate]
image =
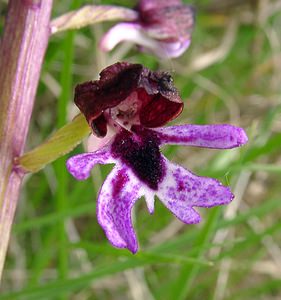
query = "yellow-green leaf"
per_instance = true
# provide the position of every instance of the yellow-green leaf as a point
(60, 143)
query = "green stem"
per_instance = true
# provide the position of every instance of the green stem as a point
(22, 49)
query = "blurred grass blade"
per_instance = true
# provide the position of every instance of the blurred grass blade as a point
(272, 145)
(257, 291)
(188, 272)
(173, 258)
(263, 167)
(264, 209)
(91, 14)
(58, 287)
(60, 143)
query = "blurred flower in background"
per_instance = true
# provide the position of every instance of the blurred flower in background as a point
(131, 100)
(163, 28)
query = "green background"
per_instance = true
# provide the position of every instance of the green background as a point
(230, 74)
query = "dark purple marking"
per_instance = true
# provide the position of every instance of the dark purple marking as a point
(99, 126)
(140, 151)
(179, 137)
(180, 186)
(118, 183)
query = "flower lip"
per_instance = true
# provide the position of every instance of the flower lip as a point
(157, 100)
(141, 170)
(139, 150)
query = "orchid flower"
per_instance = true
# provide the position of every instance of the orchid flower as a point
(126, 110)
(162, 28)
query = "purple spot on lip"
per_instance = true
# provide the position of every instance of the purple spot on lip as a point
(141, 153)
(180, 186)
(118, 183)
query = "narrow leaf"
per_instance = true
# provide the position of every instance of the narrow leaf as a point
(91, 14)
(60, 143)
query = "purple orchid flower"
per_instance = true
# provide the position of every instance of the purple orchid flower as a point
(125, 109)
(163, 28)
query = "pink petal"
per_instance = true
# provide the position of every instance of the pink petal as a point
(135, 33)
(156, 4)
(208, 136)
(181, 190)
(81, 165)
(174, 49)
(115, 201)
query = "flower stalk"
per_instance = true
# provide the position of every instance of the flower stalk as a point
(22, 49)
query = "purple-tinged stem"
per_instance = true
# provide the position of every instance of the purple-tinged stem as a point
(22, 49)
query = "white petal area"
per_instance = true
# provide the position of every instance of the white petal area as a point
(218, 136)
(172, 50)
(80, 165)
(181, 190)
(118, 194)
(95, 143)
(130, 32)
(149, 198)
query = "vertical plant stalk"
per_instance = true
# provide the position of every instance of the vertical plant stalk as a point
(22, 49)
